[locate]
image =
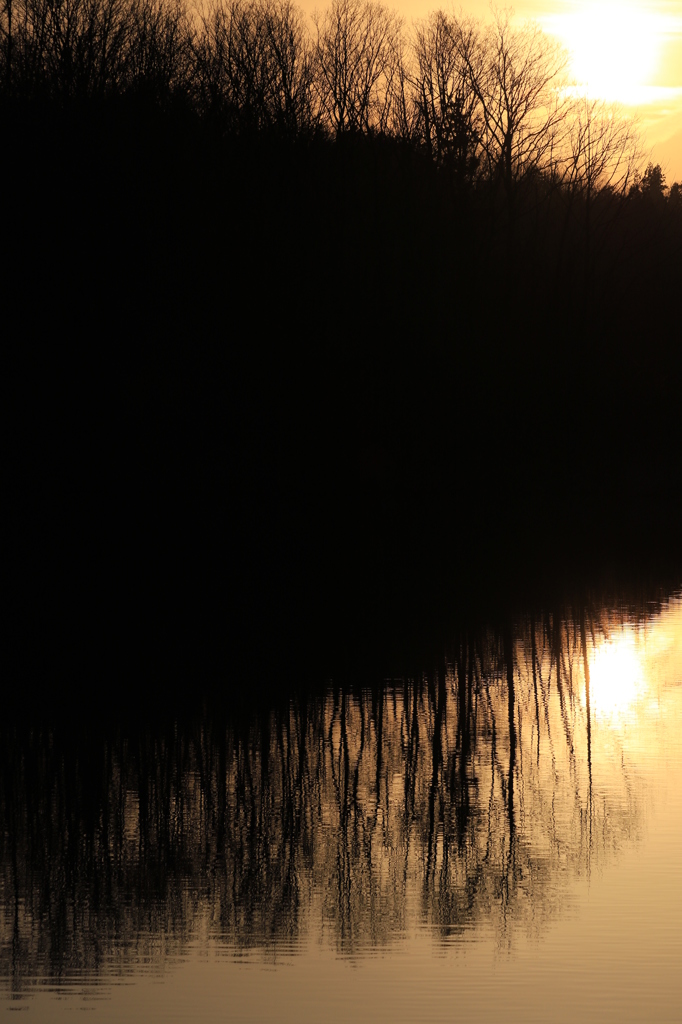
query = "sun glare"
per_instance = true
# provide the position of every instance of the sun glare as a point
(617, 677)
(615, 48)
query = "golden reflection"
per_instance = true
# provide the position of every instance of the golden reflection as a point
(617, 677)
(463, 799)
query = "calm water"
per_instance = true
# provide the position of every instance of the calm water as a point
(496, 836)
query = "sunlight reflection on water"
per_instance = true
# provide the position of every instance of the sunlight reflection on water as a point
(617, 676)
(499, 836)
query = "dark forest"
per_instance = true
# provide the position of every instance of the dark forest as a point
(310, 328)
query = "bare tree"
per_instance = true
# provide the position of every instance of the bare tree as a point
(517, 77)
(291, 67)
(603, 151)
(6, 39)
(70, 47)
(356, 57)
(603, 147)
(253, 65)
(232, 65)
(447, 110)
(158, 53)
(402, 120)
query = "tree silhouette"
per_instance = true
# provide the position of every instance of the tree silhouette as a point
(357, 53)
(516, 77)
(158, 57)
(675, 197)
(651, 184)
(447, 115)
(602, 156)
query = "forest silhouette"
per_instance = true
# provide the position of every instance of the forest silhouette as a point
(318, 316)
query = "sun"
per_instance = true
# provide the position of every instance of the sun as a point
(615, 48)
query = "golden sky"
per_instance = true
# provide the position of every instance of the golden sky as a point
(627, 51)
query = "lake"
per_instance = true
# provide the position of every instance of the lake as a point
(493, 832)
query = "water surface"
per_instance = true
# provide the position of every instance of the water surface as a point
(495, 834)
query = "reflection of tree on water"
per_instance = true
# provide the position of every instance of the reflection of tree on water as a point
(460, 796)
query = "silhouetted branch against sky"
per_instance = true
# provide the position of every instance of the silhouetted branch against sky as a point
(483, 96)
(517, 77)
(605, 146)
(356, 50)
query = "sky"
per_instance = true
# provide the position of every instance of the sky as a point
(628, 52)
(624, 51)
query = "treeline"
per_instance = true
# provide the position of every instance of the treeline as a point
(483, 100)
(309, 315)
(426, 158)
